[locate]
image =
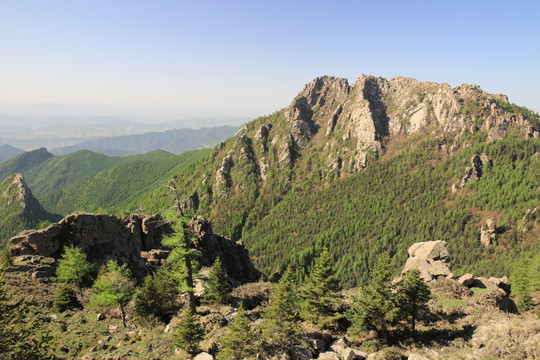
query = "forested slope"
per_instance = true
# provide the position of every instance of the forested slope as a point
(112, 189)
(369, 168)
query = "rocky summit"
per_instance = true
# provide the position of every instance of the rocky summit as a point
(373, 109)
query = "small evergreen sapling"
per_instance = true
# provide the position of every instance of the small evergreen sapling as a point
(189, 333)
(157, 296)
(238, 343)
(376, 308)
(114, 287)
(73, 267)
(321, 293)
(217, 286)
(412, 297)
(181, 259)
(66, 299)
(280, 318)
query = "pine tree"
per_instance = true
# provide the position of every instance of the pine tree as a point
(320, 295)
(280, 318)
(73, 267)
(114, 287)
(181, 259)
(238, 343)
(157, 296)
(376, 308)
(520, 281)
(189, 333)
(66, 299)
(412, 297)
(217, 286)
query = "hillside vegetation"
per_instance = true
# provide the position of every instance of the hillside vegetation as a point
(369, 168)
(111, 189)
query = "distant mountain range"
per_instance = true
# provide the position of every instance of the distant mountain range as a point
(81, 181)
(175, 141)
(9, 152)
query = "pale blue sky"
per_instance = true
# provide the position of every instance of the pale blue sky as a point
(250, 58)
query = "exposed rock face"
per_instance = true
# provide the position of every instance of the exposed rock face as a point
(473, 173)
(357, 120)
(288, 151)
(489, 234)
(223, 174)
(234, 255)
(190, 204)
(431, 258)
(101, 237)
(18, 193)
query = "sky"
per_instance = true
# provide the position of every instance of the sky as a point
(250, 58)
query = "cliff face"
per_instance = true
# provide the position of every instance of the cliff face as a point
(19, 209)
(107, 237)
(335, 129)
(374, 109)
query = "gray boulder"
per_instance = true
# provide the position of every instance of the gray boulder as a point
(431, 258)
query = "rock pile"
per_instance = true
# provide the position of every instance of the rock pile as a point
(432, 258)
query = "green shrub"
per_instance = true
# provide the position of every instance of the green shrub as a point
(66, 299)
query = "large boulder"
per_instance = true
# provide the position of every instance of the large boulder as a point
(489, 233)
(233, 255)
(432, 258)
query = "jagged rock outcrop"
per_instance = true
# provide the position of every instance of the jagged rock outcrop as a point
(234, 255)
(473, 173)
(488, 234)
(101, 237)
(288, 152)
(223, 175)
(353, 122)
(190, 204)
(17, 192)
(134, 240)
(432, 258)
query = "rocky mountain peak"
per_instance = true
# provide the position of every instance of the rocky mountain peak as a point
(17, 192)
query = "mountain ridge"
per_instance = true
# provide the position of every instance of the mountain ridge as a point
(8, 152)
(333, 130)
(175, 141)
(19, 209)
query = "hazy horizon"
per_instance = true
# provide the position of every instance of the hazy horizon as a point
(167, 59)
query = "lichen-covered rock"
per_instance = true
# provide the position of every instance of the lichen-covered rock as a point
(431, 258)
